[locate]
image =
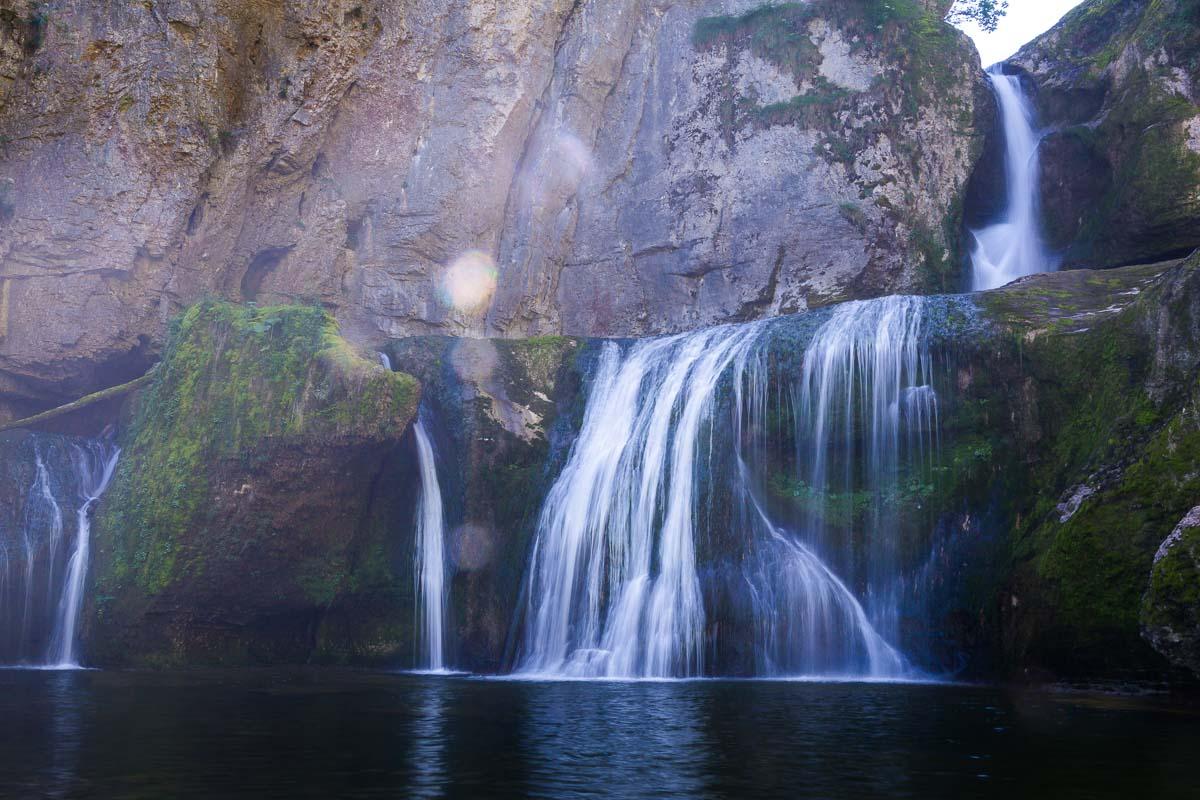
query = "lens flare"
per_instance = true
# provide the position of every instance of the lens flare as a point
(572, 158)
(469, 282)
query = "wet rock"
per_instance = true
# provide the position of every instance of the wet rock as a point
(1068, 508)
(249, 520)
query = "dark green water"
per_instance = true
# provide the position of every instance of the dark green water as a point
(347, 734)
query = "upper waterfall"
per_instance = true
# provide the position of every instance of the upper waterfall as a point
(1012, 247)
(628, 566)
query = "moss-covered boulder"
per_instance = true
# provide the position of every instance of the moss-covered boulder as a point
(1171, 608)
(239, 526)
(1118, 90)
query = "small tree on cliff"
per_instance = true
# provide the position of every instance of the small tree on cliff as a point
(984, 13)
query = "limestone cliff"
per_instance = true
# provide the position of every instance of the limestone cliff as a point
(632, 166)
(1118, 88)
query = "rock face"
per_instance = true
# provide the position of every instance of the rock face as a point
(1094, 440)
(241, 525)
(632, 167)
(503, 413)
(1118, 88)
(1068, 438)
(264, 507)
(1171, 607)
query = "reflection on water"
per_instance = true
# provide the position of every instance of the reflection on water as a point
(630, 740)
(428, 740)
(66, 732)
(325, 734)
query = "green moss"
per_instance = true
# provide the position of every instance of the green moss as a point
(234, 379)
(1096, 418)
(938, 270)
(1173, 598)
(541, 356)
(1100, 559)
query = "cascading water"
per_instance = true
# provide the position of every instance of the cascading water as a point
(865, 409)
(617, 587)
(41, 583)
(604, 602)
(95, 467)
(430, 558)
(1012, 247)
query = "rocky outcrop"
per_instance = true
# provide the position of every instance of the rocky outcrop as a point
(264, 507)
(241, 525)
(1171, 607)
(503, 413)
(1094, 437)
(1118, 90)
(630, 167)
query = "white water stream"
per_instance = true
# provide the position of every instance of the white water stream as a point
(1012, 247)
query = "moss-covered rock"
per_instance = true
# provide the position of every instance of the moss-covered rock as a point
(1171, 608)
(1118, 89)
(238, 520)
(263, 510)
(1096, 447)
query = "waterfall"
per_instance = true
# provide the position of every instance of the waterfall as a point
(94, 467)
(604, 602)
(43, 567)
(1013, 246)
(615, 581)
(430, 558)
(867, 410)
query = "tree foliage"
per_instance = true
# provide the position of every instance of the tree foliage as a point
(984, 13)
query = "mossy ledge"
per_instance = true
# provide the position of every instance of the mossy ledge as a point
(213, 522)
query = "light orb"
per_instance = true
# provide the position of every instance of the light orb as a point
(469, 282)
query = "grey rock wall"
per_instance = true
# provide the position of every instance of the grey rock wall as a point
(625, 167)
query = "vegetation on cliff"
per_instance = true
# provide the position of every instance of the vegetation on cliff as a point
(847, 61)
